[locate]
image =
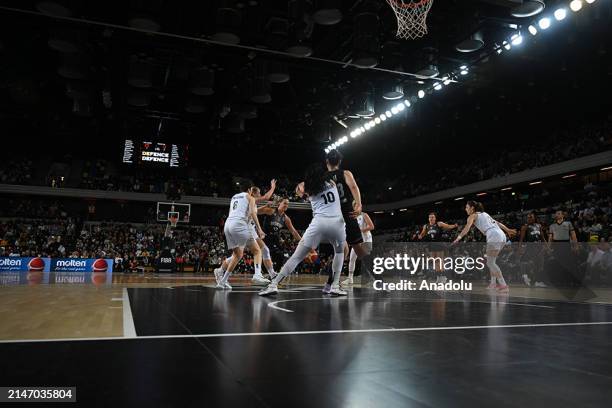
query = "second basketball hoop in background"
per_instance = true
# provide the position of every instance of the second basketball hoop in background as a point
(411, 17)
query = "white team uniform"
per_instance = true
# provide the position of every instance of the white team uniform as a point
(496, 239)
(327, 221)
(237, 231)
(253, 229)
(367, 236)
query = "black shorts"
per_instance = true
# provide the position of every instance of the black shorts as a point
(353, 232)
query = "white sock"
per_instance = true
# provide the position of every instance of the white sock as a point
(351, 265)
(492, 280)
(258, 269)
(225, 276)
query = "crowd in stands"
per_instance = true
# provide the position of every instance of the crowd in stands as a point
(557, 147)
(105, 175)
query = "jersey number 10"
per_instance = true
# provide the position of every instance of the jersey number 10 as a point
(329, 197)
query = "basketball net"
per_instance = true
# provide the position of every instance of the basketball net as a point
(172, 222)
(411, 17)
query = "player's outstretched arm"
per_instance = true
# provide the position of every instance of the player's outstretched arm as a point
(296, 235)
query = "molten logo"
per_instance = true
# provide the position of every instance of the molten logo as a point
(36, 265)
(100, 265)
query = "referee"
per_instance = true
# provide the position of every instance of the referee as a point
(561, 233)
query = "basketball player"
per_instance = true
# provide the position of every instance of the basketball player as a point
(238, 234)
(432, 233)
(276, 219)
(262, 251)
(496, 239)
(350, 204)
(530, 234)
(366, 226)
(327, 225)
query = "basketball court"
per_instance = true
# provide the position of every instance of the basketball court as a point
(116, 281)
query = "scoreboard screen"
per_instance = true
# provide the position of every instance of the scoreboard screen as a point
(154, 153)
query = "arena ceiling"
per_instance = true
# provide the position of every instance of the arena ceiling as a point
(224, 75)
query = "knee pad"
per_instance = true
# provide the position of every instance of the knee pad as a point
(265, 251)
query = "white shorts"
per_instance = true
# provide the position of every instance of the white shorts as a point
(253, 229)
(325, 229)
(496, 239)
(237, 233)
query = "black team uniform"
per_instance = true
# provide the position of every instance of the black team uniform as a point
(353, 232)
(272, 226)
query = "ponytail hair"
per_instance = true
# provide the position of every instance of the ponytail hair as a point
(476, 205)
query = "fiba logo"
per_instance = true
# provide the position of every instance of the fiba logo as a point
(100, 265)
(36, 265)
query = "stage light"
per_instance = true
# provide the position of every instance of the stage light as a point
(447, 81)
(421, 93)
(437, 86)
(388, 113)
(362, 129)
(560, 14)
(459, 198)
(605, 168)
(532, 29)
(533, 183)
(507, 45)
(506, 188)
(383, 116)
(576, 5)
(544, 23)
(499, 50)
(517, 39)
(590, 1)
(400, 107)
(481, 194)
(569, 176)
(367, 126)
(326, 150)
(377, 121)
(394, 110)
(372, 123)
(463, 67)
(354, 133)
(407, 103)
(464, 72)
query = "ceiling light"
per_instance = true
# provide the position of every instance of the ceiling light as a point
(421, 93)
(544, 23)
(560, 14)
(532, 29)
(576, 5)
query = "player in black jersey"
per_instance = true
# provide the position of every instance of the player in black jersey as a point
(350, 204)
(275, 220)
(432, 233)
(531, 261)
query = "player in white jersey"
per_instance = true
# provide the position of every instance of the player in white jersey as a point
(238, 234)
(261, 250)
(366, 226)
(496, 239)
(327, 225)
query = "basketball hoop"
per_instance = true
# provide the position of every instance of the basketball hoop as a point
(173, 220)
(411, 17)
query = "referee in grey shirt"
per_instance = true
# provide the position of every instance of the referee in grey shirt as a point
(561, 232)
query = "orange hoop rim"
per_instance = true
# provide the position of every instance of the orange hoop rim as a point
(398, 3)
(173, 220)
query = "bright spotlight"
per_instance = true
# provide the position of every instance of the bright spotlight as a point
(372, 123)
(517, 39)
(507, 45)
(463, 67)
(447, 81)
(437, 86)
(362, 129)
(400, 107)
(532, 30)
(576, 5)
(560, 14)
(499, 50)
(464, 72)
(590, 1)
(421, 93)
(407, 103)
(394, 110)
(388, 113)
(383, 116)
(544, 23)
(367, 126)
